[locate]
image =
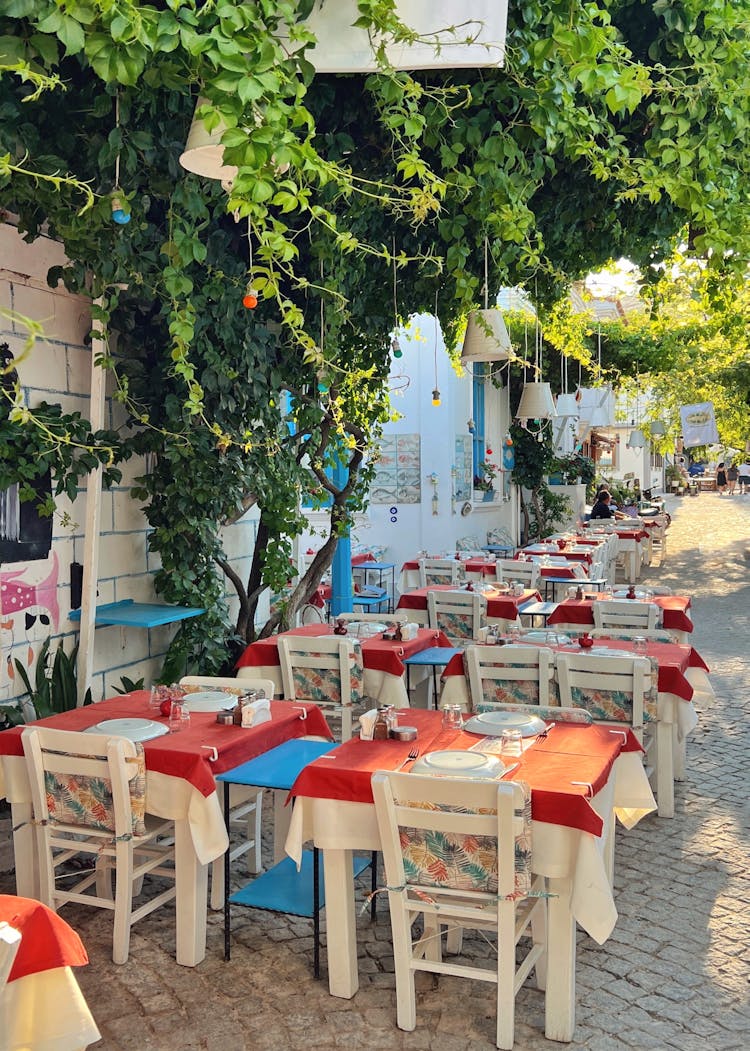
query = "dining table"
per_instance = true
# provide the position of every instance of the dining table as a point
(382, 659)
(41, 1005)
(503, 606)
(475, 567)
(681, 673)
(579, 613)
(581, 776)
(180, 785)
(632, 543)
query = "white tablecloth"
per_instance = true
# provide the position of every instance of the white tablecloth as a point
(45, 1011)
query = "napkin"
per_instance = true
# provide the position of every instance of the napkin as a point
(409, 631)
(256, 712)
(366, 724)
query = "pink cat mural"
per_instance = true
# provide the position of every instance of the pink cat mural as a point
(28, 612)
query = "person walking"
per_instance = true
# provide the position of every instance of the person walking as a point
(721, 478)
(732, 476)
(744, 476)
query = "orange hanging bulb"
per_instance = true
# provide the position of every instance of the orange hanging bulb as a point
(250, 299)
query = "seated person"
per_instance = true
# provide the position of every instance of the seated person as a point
(602, 508)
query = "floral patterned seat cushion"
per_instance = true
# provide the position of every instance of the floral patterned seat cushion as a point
(457, 626)
(616, 705)
(464, 862)
(79, 799)
(324, 684)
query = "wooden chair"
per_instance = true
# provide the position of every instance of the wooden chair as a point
(613, 689)
(88, 796)
(458, 854)
(438, 571)
(514, 569)
(508, 674)
(625, 613)
(458, 614)
(326, 670)
(246, 804)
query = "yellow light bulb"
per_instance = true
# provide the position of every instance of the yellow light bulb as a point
(436, 397)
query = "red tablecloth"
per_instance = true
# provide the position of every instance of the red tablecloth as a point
(571, 754)
(47, 941)
(555, 552)
(674, 660)
(378, 654)
(581, 611)
(485, 566)
(627, 534)
(186, 754)
(499, 604)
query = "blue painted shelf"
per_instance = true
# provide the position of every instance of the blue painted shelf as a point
(129, 613)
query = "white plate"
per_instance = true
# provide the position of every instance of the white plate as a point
(209, 701)
(365, 629)
(553, 637)
(639, 593)
(132, 729)
(493, 723)
(458, 764)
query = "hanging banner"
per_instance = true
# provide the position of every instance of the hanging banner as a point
(698, 424)
(449, 36)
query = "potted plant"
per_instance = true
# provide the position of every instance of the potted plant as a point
(484, 481)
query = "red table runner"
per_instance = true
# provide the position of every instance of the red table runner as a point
(187, 754)
(499, 604)
(629, 534)
(674, 660)
(581, 611)
(573, 753)
(378, 654)
(47, 941)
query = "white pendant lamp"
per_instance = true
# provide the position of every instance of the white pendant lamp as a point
(486, 337)
(637, 439)
(204, 153)
(536, 402)
(658, 429)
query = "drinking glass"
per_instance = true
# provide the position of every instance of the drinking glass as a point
(452, 717)
(155, 698)
(179, 717)
(510, 743)
(640, 645)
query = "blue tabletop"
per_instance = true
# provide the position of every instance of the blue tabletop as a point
(279, 767)
(435, 655)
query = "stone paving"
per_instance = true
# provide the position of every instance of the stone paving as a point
(674, 974)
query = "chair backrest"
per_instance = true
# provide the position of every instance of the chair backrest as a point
(508, 674)
(516, 569)
(654, 634)
(611, 688)
(10, 941)
(245, 681)
(472, 837)
(458, 614)
(625, 613)
(438, 571)
(92, 781)
(325, 669)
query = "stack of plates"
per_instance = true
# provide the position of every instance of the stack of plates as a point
(132, 729)
(492, 724)
(365, 629)
(554, 638)
(209, 701)
(639, 593)
(459, 764)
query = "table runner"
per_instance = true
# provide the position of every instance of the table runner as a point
(499, 604)
(187, 754)
(571, 754)
(580, 611)
(484, 566)
(378, 654)
(47, 941)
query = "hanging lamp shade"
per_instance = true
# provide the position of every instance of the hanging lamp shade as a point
(637, 439)
(204, 153)
(536, 402)
(658, 428)
(344, 47)
(486, 337)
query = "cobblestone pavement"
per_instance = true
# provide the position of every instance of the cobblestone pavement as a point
(674, 974)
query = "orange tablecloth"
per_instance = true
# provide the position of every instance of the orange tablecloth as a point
(571, 754)
(47, 941)
(378, 654)
(581, 611)
(499, 604)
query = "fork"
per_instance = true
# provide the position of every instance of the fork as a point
(413, 754)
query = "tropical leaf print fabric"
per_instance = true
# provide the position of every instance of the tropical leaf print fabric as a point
(79, 799)
(457, 626)
(324, 684)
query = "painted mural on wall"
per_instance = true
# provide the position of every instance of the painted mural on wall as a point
(463, 473)
(29, 612)
(397, 474)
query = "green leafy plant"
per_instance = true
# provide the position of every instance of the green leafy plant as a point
(574, 467)
(484, 481)
(129, 686)
(55, 687)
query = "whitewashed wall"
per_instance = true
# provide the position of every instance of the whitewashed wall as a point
(58, 369)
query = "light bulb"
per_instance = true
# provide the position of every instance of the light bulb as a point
(436, 397)
(119, 215)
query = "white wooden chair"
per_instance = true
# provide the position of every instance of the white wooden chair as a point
(613, 689)
(10, 941)
(326, 670)
(527, 573)
(480, 832)
(88, 796)
(438, 571)
(245, 804)
(458, 614)
(508, 674)
(625, 613)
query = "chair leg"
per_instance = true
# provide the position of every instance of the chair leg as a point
(123, 903)
(373, 886)
(346, 723)
(316, 913)
(406, 1000)
(506, 970)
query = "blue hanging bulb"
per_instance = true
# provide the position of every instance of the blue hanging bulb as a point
(119, 215)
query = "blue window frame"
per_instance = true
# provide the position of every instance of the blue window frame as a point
(478, 445)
